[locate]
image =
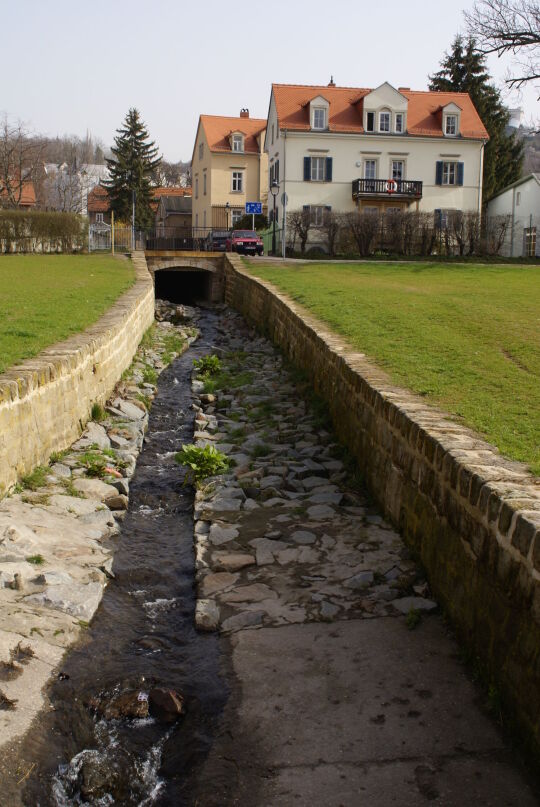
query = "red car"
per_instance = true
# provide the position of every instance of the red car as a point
(245, 242)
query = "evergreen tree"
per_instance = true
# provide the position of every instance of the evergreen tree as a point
(463, 70)
(134, 159)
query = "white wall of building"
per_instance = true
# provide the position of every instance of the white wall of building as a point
(521, 201)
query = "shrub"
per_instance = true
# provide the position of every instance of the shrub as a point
(201, 462)
(207, 366)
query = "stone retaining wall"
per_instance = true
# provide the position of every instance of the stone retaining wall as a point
(472, 517)
(45, 402)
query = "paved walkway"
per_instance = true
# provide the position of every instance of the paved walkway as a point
(349, 689)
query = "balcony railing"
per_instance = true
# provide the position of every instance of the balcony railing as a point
(409, 188)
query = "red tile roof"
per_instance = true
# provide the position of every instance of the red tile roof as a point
(98, 200)
(157, 193)
(218, 129)
(28, 194)
(346, 110)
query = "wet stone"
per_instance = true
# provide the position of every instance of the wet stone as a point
(303, 537)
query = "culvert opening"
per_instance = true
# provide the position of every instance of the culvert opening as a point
(183, 286)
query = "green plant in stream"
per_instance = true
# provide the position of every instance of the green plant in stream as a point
(207, 366)
(201, 462)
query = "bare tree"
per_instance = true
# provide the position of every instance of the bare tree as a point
(509, 26)
(21, 155)
(331, 225)
(496, 231)
(363, 228)
(299, 224)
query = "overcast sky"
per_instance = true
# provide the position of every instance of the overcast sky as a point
(69, 66)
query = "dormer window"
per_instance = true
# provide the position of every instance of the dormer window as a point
(384, 121)
(370, 122)
(237, 142)
(399, 122)
(450, 125)
(319, 118)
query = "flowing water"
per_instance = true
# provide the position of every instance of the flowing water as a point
(142, 637)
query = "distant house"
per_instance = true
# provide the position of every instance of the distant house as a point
(173, 211)
(378, 150)
(229, 168)
(520, 201)
(159, 192)
(99, 206)
(25, 196)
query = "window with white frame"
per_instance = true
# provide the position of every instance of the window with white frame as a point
(518, 198)
(201, 151)
(237, 181)
(317, 169)
(99, 218)
(204, 184)
(316, 215)
(370, 169)
(319, 118)
(398, 169)
(236, 215)
(238, 143)
(399, 122)
(450, 125)
(384, 121)
(449, 173)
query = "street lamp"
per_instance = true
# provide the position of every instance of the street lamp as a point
(227, 208)
(274, 190)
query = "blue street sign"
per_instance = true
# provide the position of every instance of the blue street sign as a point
(254, 208)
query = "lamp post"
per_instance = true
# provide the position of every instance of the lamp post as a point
(274, 190)
(227, 208)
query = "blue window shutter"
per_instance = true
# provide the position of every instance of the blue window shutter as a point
(438, 217)
(438, 172)
(305, 208)
(307, 169)
(277, 170)
(328, 176)
(459, 174)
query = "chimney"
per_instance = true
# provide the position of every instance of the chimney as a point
(244, 113)
(331, 83)
(406, 89)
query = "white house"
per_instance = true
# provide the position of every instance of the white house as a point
(344, 148)
(520, 201)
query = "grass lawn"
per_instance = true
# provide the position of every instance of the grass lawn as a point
(46, 298)
(467, 337)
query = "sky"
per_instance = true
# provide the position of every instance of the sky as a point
(80, 66)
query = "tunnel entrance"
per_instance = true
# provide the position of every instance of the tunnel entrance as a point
(183, 286)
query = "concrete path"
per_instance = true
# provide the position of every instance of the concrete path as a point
(348, 688)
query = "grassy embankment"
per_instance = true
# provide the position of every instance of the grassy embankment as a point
(465, 337)
(46, 298)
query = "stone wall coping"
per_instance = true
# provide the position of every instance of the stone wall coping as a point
(21, 380)
(504, 490)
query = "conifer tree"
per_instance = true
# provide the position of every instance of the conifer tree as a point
(464, 70)
(134, 159)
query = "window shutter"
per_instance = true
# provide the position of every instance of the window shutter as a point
(276, 165)
(460, 167)
(328, 176)
(328, 208)
(307, 169)
(438, 217)
(438, 172)
(305, 208)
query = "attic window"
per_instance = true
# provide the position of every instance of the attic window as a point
(450, 125)
(370, 122)
(237, 143)
(319, 118)
(384, 121)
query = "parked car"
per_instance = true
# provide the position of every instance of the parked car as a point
(246, 242)
(217, 240)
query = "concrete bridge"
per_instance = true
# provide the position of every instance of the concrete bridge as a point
(187, 277)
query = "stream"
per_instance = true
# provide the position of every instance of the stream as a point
(142, 636)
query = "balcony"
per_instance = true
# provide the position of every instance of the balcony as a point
(389, 188)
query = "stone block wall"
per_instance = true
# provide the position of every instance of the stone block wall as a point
(45, 402)
(471, 516)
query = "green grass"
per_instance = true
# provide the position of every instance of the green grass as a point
(47, 298)
(467, 337)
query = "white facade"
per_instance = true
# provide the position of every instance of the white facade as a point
(375, 154)
(521, 202)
